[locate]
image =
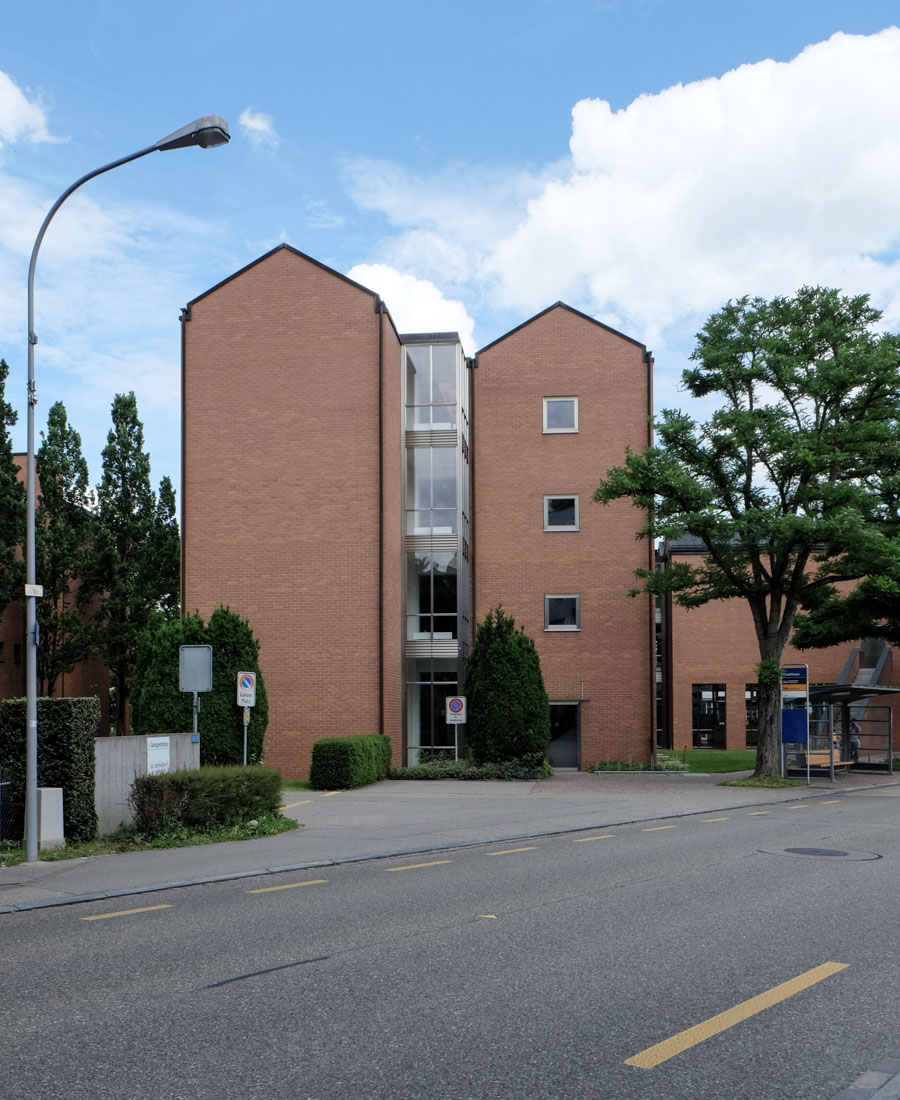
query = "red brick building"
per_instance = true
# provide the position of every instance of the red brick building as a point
(361, 496)
(364, 496)
(708, 693)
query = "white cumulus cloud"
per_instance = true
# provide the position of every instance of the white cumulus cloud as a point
(416, 305)
(19, 117)
(771, 176)
(258, 129)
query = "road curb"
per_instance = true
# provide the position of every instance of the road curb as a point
(262, 872)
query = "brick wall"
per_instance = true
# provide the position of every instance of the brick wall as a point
(280, 490)
(607, 662)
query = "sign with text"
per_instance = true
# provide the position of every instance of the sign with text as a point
(456, 709)
(795, 683)
(159, 755)
(246, 689)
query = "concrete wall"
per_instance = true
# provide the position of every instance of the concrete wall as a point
(119, 760)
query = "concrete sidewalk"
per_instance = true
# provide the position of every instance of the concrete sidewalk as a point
(401, 817)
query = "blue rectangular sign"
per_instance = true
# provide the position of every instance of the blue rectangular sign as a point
(794, 726)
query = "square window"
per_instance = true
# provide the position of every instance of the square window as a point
(560, 414)
(562, 612)
(561, 513)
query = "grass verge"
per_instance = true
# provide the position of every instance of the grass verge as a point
(296, 785)
(713, 761)
(127, 839)
(763, 781)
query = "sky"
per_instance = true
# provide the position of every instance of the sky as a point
(641, 160)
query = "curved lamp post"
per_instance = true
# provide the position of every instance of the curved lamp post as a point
(207, 132)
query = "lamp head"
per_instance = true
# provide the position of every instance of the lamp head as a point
(207, 132)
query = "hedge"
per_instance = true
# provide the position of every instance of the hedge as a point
(66, 732)
(341, 763)
(204, 798)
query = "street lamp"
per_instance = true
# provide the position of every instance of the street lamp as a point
(207, 132)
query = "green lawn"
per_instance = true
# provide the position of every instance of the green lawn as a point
(296, 785)
(714, 760)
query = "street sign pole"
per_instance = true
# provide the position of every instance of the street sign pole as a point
(246, 698)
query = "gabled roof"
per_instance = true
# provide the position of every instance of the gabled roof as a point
(578, 313)
(272, 252)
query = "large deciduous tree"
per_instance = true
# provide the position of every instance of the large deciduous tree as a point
(135, 566)
(509, 714)
(792, 483)
(64, 530)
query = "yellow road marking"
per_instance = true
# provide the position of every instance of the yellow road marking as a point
(509, 851)
(656, 828)
(829, 801)
(487, 916)
(684, 1040)
(584, 839)
(328, 794)
(127, 912)
(757, 813)
(796, 807)
(415, 866)
(289, 886)
(715, 819)
(291, 805)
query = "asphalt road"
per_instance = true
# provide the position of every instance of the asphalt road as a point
(553, 968)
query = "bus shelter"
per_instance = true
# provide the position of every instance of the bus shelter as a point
(850, 726)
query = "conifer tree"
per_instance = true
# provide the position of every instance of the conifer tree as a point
(135, 566)
(12, 505)
(64, 529)
(509, 712)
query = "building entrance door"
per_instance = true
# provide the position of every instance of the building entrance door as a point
(565, 741)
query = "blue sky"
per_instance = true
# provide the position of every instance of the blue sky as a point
(643, 160)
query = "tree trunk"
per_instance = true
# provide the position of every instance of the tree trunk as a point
(768, 750)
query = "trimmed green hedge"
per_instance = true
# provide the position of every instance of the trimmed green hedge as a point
(204, 798)
(341, 763)
(66, 732)
(529, 767)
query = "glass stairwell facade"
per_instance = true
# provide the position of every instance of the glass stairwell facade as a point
(436, 494)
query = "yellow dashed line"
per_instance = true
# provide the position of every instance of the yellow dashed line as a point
(289, 886)
(510, 851)
(657, 828)
(715, 819)
(684, 1040)
(127, 912)
(291, 805)
(585, 839)
(830, 801)
(796, 807)
(415, 866)
(328, 794)
(758, 813)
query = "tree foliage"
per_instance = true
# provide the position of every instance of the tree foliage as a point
(12, 505)
(159, 706)
(508, 710)
(136, 566)
(792, 483)
(63, 546)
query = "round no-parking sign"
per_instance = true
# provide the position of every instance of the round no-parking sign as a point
(456, 709)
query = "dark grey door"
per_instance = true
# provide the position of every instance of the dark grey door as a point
(564, 739)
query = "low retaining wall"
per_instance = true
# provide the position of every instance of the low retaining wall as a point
(119, 760)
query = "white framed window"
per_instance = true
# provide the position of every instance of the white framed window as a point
(560, 415)
(561, 513)
(562, 612)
